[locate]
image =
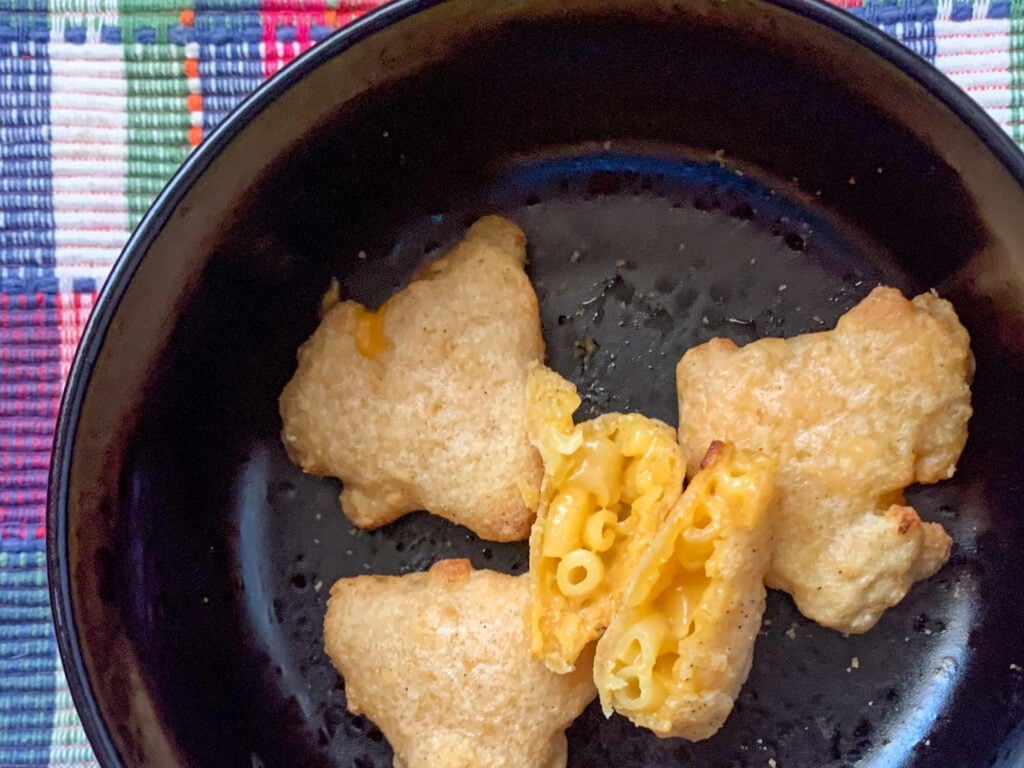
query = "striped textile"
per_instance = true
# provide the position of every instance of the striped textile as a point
(100, 101)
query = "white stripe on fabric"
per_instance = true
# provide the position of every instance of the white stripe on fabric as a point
(976, 56)
(89, 116)
(977, 36)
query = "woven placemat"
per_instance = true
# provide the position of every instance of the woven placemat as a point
(100, 101)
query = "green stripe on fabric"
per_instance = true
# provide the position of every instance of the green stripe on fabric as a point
(1017, 70)
(160, 137)
(157, 94)
(125, 9)
(31, 560)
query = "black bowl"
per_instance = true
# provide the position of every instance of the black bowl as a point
(741, 168)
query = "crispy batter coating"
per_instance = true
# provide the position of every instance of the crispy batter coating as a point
(608, 484)
(421, 404)
(681, 644)
(440, 661)
(854, 415)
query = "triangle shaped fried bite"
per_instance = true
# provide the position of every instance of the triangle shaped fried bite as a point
(681, 645)
(440, 661)
(608, 484)
(420, 404)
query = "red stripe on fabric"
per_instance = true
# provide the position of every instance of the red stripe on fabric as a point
(270, 55)
(16, 515)
(21, 532)
(301, 16)
(34, 408)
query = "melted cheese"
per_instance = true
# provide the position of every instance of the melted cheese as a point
(684, 634)
(608, 484)
(370, 337)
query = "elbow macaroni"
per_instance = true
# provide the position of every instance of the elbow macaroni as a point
(579, 573)
(600, 530)
(608, 484)
(567, 517)
(680, 647)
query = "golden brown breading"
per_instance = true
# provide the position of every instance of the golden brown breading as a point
(854, 416)
(608, 484)
(681, 644)
(440, 661)
(422, 404)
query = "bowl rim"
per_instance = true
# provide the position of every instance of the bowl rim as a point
(925, 74)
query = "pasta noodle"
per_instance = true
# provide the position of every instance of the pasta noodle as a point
(578, 560)
(608, 483)
(644, 642)
(566, 519)
(680, 646)
(599, 530)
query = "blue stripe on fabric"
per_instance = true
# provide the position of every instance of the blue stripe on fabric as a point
(28, 654)
(912, 22)
(20, 720)
(145, 35)
(31, 544)
(230, 63)
(962, 11)
(226, 76)
(233, 71)
(28, 278)
(999, 9)
(84, 285)
(74, 35)
(110, 34)
(918, 30)
(27, 250)
(12, 613)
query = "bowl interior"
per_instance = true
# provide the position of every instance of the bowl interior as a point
(681, 172)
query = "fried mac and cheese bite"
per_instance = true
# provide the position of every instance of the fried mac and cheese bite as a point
(421, 404)
(441, 662)
(854, 416)
(608, 484)
(681, 644)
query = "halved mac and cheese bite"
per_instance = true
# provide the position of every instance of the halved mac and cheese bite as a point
(608, 484)
(421, 403)
(440, 662)
(681, 644)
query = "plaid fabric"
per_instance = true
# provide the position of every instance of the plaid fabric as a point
(100, 101)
